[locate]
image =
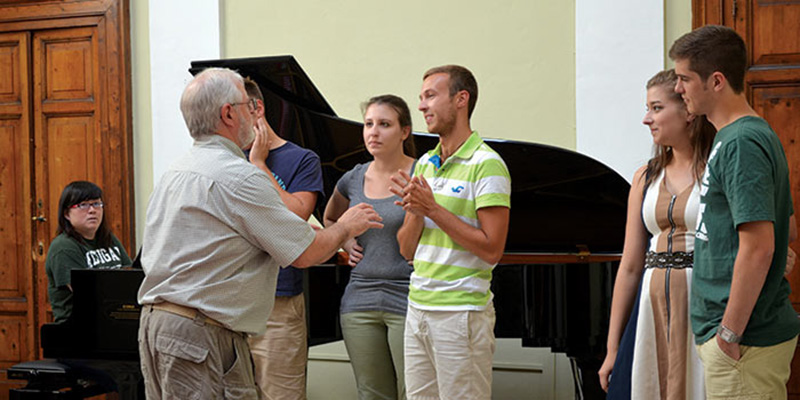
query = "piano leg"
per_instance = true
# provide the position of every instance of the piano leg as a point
(584, 377)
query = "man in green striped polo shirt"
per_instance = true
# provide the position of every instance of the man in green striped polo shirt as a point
(457, 209)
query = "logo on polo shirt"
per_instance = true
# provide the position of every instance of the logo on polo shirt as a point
(457, 189)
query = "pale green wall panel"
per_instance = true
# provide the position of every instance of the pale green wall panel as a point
(522, 53)
(142, 115)
(678, 15)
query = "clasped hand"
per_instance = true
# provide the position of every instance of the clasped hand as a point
(416, 196)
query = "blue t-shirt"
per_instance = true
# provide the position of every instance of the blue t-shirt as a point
(297, 170)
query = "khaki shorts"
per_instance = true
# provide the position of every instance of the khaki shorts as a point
(760, 372)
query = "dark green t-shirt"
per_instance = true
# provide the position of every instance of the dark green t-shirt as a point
(746, 180)
(66, 254)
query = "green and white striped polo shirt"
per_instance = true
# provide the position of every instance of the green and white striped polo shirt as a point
(447, 276)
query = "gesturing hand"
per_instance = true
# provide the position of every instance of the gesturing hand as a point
(360, 217)
(415, 193)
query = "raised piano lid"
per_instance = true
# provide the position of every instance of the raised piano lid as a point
(561, 201)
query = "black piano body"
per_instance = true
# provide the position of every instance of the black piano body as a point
(105, 318)
(99, 340)
(553, 287)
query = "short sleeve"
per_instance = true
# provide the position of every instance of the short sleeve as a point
(125, 260)
(493, 183)
(345, 186)
(748, 181)
(309, 175)
(258, 210)
(62, 261)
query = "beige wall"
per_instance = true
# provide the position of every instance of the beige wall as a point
(521, 51)
(678, 15)
(142, 116)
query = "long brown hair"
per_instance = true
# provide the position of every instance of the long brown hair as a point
(403, 118)
(701, 133)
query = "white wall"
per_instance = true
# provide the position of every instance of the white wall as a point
(180, 31)
(618, 47)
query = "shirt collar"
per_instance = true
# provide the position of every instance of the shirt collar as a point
(219, 140)
(465, 151)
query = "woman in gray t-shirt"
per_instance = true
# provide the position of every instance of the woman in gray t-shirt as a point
(375, 300)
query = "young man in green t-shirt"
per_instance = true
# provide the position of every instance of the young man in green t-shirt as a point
(743, 321)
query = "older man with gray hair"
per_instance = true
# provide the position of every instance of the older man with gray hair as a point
(215, 235)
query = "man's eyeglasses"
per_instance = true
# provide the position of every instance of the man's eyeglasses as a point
(252, 104)
(85, 206)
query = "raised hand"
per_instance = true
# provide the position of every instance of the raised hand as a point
(260, 150)
(360, 217)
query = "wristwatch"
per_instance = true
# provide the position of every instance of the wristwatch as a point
(728, 335)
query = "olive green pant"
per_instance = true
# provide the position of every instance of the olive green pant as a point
(374, 341)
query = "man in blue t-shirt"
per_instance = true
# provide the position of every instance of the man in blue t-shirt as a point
(280, 355)
(744, 323)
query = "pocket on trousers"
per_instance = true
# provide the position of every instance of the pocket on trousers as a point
(723, 376)
(298, 306)
(235, 380)
(181, 349)
(182, 366)
(240, 393)
(721, 355)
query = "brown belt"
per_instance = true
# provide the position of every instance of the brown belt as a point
(187, 312)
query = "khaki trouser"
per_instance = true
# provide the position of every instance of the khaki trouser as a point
(280, 355)
(760, 372)
(449, 354)
(187, 359)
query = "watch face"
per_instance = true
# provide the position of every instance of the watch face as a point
(727, 335)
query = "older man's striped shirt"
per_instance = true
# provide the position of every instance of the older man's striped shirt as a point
(447, 276)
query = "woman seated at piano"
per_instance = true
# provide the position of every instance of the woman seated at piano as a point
(82, 240)
(374, 303)
(656, 356)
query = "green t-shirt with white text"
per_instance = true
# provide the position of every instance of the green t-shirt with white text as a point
(64, 255)
(746, 180)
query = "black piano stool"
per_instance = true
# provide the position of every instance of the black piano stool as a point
(53, 380)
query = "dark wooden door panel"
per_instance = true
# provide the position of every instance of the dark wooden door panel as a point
(16, 298)
(774, 33)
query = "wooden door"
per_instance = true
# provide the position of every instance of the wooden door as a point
(771, 29)
(64, 115)
(66, 127)
(16, 303)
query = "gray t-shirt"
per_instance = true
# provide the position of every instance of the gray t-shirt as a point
(379, 282)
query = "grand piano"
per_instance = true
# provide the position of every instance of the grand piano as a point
(552, 287)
